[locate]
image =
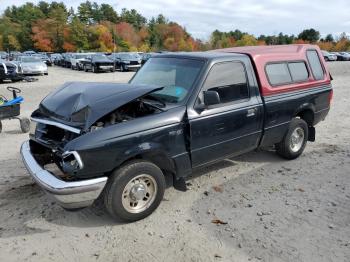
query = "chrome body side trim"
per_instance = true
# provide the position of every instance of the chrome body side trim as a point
(60, 125)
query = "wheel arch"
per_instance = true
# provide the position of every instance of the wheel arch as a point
(307, 113)
(153, 153)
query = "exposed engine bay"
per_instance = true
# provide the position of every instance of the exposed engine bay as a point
(127, 112)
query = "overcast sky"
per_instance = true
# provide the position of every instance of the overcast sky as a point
(201, 17)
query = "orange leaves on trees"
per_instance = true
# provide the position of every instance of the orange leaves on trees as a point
(143, 33)
(1, 42)
(326, 45)
(102, 38)
(127, 33)
(41, 36)
(68, 46)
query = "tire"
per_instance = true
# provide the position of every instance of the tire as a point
(25, 124)
(0, 127)
(297, 131)
(125, 206)
(122, 68)
(46, 74)
(94, 69)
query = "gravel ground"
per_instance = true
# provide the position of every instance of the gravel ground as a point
(275, 210)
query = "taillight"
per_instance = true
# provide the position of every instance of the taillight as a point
(330, 97)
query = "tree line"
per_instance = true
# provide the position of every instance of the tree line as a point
(53, 27)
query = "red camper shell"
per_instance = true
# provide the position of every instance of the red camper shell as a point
(262, 56)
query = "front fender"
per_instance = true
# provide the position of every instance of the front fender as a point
(154, 152)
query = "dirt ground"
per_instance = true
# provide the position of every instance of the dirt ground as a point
(275, 210)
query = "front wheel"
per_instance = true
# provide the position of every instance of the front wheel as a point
(134, 191)
(294, 141)
(94, 69)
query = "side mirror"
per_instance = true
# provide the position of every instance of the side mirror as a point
(211, 98)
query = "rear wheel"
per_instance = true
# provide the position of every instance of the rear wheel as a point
(294, 141)
(134, 191)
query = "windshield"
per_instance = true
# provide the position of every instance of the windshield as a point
(176, 75)
(99, 57)
(129, 56)
(81, 56)
(30, 59)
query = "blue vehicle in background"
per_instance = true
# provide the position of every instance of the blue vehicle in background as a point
(11, 109)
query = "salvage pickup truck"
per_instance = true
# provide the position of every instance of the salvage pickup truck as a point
(181, 111)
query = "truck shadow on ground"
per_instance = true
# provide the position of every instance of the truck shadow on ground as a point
(23, 202)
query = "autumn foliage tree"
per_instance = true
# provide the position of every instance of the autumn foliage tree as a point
(52, 27)
(41, 35)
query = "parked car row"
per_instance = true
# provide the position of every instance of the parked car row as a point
(92, 61)
(19, 66)
(99, 62)
(336, 56)
(9, 71)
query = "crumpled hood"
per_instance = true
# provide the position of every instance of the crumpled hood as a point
(81, 104)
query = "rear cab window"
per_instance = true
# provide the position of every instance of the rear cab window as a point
(286, 72)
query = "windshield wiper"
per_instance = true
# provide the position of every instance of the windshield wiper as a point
(150, 97)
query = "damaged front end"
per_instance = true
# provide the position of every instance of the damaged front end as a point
(76, 176)
(77, 109)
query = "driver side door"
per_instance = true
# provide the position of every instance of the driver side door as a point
(231, 127)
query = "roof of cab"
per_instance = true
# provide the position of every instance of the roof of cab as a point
(200, 55)
(271, 50)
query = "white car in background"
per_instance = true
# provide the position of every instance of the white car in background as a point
(329, 56)
(32, 65)
(76, 60)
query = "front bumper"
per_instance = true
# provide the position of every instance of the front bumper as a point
(69, 195)
(105, 67)
(34, 71)
(128, 66)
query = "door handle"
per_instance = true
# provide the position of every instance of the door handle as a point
(251, 112)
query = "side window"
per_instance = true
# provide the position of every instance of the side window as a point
(278, 73)
(315, 64)
(229, 80)
(298, 71)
